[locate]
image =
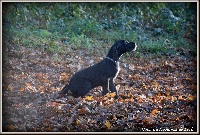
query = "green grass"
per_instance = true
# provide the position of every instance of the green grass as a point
(51, 41)
(43, 27)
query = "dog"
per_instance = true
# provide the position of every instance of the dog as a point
(100, 74)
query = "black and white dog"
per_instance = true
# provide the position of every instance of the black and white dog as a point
(100, 74)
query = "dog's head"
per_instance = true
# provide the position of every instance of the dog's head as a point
(123, 46)
(120, 47)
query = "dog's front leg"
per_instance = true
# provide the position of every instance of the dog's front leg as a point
(113, 88)
(105, 87)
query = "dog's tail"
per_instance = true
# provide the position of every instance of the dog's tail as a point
(64, 90)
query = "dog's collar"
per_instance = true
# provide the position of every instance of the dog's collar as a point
(111, 59)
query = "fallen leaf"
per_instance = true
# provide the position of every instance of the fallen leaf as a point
(53, 104)
(107, 124)
(63, 74)
(154, 112)
(10, 88)
(167, 93)
(41, 87)
(191, 97)
(155, 83)
(188, 79)
(64, 77)
(110, 95)
(172, 98)
(148, 122)
(22, 89)
(180, 98)
(28, 85)
(134, 77)
(89, 98)
(77, 122)
(84, 111)
(48, 129)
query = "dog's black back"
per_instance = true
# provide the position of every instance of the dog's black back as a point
(100, 74)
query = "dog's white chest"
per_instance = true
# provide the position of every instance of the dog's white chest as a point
(118, 68)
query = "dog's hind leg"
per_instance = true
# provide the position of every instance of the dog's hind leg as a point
(81, 89)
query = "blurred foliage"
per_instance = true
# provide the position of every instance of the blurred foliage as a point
(148, 24)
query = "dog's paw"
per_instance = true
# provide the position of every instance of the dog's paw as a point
(116, 97)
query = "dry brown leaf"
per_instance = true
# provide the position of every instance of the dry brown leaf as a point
(134, 77)
(22, 89)
(191, 97)
(10, 88)
(107, 124)
(140, 100)
(48, 129)
(41, 87)
(111, 95)
(83, 111)
(53, 104)
(44, 80)
(39, 75)
(172, 98)
(131, 99)
(155, 83)
(28, 85)
(180, 98)
(89, 98)
(167, 93)
(148, 122)
(130, 95)
(154, 112)
(188, 79)
(63, 74)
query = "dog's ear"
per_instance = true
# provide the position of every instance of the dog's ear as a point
(115, 51)
(117, 47)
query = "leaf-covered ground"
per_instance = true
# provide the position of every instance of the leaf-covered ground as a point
(157, 93)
